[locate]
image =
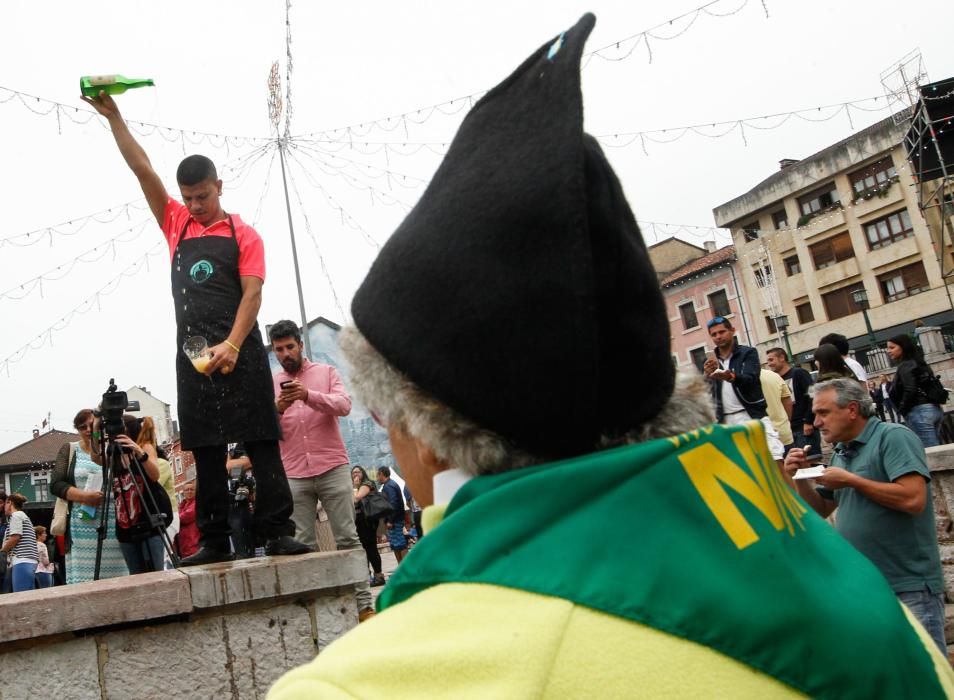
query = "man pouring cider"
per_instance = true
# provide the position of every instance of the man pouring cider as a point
(218, 269)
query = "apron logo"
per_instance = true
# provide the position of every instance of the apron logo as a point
(201, 271)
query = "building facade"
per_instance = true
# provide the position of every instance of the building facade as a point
(830, 237)
(158, 410)
(701, 289)
(27, 469)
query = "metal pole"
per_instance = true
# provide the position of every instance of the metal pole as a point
(871, 335)
(788, 346)
(291, 232)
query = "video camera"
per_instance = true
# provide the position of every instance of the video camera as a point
(111, 409)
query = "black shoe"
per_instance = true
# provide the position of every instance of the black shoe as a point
(286, 545)
(377, 580)
(207, 555)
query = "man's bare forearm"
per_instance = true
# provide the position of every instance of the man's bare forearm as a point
(245, 316)
(131, 151)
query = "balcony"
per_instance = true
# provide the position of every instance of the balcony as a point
(890, 197)
(825, 221)
(837, 273)
(892, 253)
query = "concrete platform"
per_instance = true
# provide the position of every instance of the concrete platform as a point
(220, 630)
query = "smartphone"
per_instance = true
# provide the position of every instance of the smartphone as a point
(814, 458)
(285, 383)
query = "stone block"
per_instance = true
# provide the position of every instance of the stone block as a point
(332, 618)
(947, 569)
(940, 458)
(67, 670)
(95, 604)
(270, 577)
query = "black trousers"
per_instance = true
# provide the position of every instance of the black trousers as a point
(367, 533)
(273, 501)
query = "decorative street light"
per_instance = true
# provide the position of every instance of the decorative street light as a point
(781, 323)
(860, 297)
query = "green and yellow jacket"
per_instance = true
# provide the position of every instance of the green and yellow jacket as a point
(681, 567)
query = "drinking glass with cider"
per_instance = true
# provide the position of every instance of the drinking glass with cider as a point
(197, 350)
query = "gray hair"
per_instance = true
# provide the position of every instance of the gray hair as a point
(459, 442)
(846, 391)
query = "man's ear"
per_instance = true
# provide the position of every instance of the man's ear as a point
(218, 187)
(427, 458)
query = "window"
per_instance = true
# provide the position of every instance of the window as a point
(839, 302)
(770, 322)
(719, 303)
(178, 466)
(698, 357)
(792, 266)
(874, 176)
(750, 231)
(805, 313)
(890, 229)
(688, 313)
(763, 276)
(779, 219)
(819, 200)
(832, 250)
(903, 282)
(41, 490)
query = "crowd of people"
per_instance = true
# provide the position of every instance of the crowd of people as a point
(877, 476)
(512, 339)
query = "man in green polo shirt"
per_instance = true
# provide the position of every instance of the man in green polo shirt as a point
(880, 484)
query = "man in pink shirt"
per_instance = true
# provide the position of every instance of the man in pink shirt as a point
(310, 398)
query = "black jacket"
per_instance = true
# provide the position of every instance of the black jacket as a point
(744, 361)
(905, 392)
(799, 382)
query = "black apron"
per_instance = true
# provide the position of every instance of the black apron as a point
(206, 291)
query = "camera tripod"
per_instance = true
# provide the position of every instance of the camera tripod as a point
(112, 463)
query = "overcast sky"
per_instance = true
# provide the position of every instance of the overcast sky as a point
(352, 65)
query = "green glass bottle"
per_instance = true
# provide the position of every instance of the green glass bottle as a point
(90, 85)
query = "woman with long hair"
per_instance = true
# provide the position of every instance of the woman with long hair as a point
(148, 438)
(830, 363)
(19, 543)
(134, 495)
(367, 527)
(75, 472)
(920, 414)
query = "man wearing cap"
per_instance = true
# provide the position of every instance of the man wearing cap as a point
(522, 259)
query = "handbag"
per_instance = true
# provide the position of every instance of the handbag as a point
(61, 511)
(375, 505)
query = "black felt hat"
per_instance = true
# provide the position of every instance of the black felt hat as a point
(519, 291)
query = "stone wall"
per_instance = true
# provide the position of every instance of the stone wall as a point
(223, 631)
(941, 464)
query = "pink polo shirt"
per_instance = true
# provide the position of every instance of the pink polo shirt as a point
(312, 443)
(251, 248)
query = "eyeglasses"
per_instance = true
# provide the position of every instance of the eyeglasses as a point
(716, 321)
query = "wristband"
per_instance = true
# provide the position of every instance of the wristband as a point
(231, 345)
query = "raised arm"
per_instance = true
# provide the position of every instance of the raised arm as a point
(132, 152)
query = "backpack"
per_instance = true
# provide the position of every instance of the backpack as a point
(375, 505)
(930, 385)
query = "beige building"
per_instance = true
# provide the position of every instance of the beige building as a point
(157, 409)
(812, 235)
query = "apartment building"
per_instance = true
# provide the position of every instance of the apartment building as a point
(830, 237)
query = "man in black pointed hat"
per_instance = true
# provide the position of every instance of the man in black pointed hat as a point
(590, 531)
